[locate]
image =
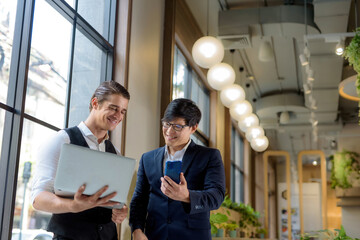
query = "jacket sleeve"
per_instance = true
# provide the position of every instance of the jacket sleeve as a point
(214, 187)
(140, 199)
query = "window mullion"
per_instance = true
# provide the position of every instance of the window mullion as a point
(14, 121)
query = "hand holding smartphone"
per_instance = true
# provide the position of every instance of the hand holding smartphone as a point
(173, 170)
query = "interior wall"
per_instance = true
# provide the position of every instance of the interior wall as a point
(143, 116)
(208, 24)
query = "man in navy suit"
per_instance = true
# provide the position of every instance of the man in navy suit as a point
(162, 209)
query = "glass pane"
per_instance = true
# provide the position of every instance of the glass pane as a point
(97, 14)
(201, 96)
(237, 149)
(237, 186)
(48, 67)
(241, 152)
(2, 122)
(7, 23)
(232, 183)
(71, 3)
(85, 79)
(180, 72)
(242, 187)
(232, 143)
(25, 217)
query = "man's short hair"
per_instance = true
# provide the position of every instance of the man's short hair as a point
(183, 108)
(108, 88)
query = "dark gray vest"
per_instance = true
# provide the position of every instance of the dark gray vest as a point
(92, 224)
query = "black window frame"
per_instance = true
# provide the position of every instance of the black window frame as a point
(15, 104)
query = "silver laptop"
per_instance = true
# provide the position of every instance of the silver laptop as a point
(81, 165)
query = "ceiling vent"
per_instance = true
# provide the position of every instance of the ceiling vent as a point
(236, 41)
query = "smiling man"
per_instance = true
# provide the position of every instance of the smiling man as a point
(163, 209)
(82, 217)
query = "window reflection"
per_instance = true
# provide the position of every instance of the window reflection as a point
(48, 67)
(86, 77)
(32, 138)
(71, 3)
(7, 21)
(237, 166)
(179, 75)
(200, 95)
(2, 120)
(187, 84)
(97, 13)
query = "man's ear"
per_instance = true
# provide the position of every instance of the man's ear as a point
(94, 103)
(193, 128)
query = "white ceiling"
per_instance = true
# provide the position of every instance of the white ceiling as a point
(278, 84)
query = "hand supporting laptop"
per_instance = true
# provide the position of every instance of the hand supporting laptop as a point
(83, 202)
(84, 216)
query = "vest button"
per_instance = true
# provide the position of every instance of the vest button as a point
(100, 227)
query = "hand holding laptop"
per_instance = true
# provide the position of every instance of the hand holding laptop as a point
(79, 166)
(83, 202)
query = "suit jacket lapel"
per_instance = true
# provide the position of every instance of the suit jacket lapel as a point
(188, 157)
(159, 162)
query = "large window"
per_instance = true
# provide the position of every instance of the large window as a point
(187, 84)
(7, 22)
(53, 54)
(237, 166)
(2, 117)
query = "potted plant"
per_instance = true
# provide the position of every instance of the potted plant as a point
(231, 228)
(216, 219)
(352, 54)
(345, 171)
(261, 232)
(337, 234)
(249, 217)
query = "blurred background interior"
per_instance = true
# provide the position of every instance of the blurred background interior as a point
(285, 55)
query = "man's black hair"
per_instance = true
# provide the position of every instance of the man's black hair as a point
(182, 108)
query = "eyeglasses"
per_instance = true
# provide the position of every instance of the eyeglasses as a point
(176, 127)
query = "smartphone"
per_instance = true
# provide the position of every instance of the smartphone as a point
(173, 170)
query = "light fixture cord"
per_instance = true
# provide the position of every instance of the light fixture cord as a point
(305, 14)
(207, 19)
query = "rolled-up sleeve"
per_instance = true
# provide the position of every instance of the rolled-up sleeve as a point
(46, 164)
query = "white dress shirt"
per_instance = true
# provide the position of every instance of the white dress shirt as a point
(178, 155)
(48, 157)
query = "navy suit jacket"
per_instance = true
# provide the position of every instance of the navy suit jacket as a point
(161, 217)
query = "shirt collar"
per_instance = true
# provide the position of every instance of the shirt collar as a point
(87, 133)
(178, 155)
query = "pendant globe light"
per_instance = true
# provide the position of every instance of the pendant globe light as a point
(221, 75)
(207, 51)
(248, 121)
(240, 109)
(231, 94)
(254, 132)
(259, 144)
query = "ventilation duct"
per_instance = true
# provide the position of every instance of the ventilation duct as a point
(236, 27)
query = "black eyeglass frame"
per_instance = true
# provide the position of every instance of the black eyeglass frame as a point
(176, 127)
